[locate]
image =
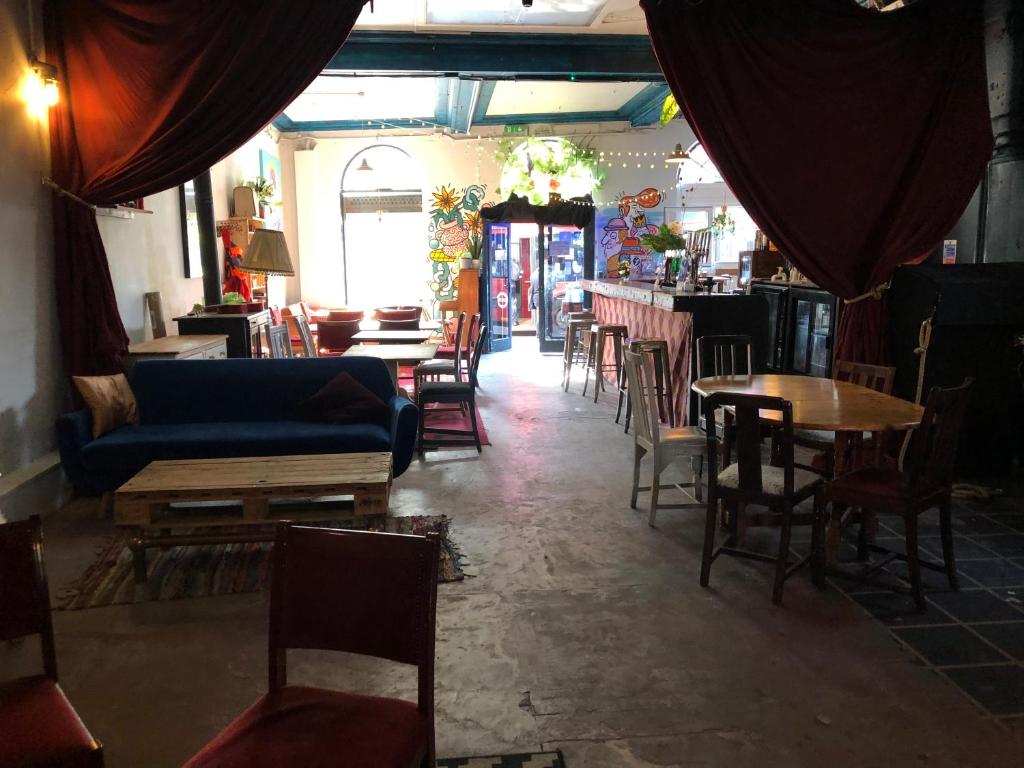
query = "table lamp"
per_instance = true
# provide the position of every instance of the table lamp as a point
(267, 254)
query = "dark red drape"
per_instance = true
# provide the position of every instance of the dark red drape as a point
(153, 94)
(853, 138)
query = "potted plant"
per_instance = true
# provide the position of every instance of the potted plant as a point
(669, 241)
(474, 247)
(264, 192)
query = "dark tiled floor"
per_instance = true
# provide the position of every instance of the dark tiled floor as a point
(973, 637)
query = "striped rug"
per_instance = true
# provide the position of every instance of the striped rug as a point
(215, 569)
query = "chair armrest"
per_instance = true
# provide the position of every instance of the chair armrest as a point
(74, 432)
(404, 423)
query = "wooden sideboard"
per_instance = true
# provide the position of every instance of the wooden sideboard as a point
(198, 347)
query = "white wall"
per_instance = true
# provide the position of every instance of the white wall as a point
(31, 382)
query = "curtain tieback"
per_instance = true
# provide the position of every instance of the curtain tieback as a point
(48, 182)
(924, 340)
(874, 293)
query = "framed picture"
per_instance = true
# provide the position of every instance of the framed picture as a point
(270, 169)
(189, 230)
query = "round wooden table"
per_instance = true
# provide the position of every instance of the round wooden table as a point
(826, 404)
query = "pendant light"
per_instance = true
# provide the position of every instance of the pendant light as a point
(678, 155)
(364, 166)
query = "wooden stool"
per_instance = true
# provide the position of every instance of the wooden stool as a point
(576, 331)
(658, 349)
(599, 335)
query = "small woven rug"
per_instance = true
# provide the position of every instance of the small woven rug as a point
(443, 418)
(532, 760)
(216, 569)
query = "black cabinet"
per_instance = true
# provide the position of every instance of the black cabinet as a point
(778, 304)
(810, 330)
(243, 331)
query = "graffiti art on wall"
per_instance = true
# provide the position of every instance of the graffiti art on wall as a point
(454, 217)
(620, 229)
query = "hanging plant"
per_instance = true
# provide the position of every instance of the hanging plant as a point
(530, 167)
(669, 109)
(722, 223)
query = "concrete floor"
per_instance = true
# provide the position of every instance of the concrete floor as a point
(583, 629)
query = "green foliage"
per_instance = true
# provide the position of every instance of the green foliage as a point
(264, 189)
(722, 223)
(558, 158)
(669, 109)
(233, 297)
(662, 240)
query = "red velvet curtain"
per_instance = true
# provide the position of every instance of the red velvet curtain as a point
(854, 139)
(153, 94)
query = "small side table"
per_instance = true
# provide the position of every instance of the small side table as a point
(198, 347)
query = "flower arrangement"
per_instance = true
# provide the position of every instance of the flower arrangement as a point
(669, 237)
(264, 189)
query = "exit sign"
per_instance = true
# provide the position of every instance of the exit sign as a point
(510, 129)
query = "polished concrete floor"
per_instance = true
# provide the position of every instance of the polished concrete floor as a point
(582, 628)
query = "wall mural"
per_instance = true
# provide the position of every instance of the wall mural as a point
(454, 217)
(620, 228)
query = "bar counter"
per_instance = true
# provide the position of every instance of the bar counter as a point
(680, 318)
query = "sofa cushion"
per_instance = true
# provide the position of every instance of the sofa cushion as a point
(110, 400)
(343, 400)
(131, 448)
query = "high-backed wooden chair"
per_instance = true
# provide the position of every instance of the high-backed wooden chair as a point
(438, 367)
(38, 726)
(460, 393)
(373, 594)
(666, 445)
(877, 377)
(278, 341)
(779, 487)
(308, 343)
(925, 482)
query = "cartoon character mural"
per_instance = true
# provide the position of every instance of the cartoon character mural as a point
(623, 231)
(454, 217)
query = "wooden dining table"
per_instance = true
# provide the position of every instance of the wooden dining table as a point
(846, 409)
(394, 354)
(393, 337)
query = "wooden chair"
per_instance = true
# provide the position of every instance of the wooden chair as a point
(724, 355)
(373, 594)
(926, 481)
(305, 336)
(279, 342)
(876, 377)
(666, 445)
(778, 486)
(38, 726)
(436, 368)
(658, 351)
(461, 393)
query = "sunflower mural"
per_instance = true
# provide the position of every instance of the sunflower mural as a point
(454, 217)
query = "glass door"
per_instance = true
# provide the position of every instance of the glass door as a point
(496, 286)
(562, 257)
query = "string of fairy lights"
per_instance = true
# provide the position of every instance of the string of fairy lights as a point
(639, 159)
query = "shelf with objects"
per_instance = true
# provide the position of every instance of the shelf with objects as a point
(551, 244)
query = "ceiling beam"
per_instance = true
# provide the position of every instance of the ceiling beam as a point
(645, 107)
(462, 99)
(498, 56)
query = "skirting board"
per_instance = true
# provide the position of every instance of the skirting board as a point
(37, 488)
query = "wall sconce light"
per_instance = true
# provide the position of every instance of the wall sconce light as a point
(41, 90)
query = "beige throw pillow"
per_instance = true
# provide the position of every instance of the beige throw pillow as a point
(110, 400)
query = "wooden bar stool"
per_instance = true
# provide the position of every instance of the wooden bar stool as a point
(600, 334)
(577, 329)
(658, 350)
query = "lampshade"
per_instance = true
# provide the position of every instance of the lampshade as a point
(364, 166)
(678, 155)
(267, 254)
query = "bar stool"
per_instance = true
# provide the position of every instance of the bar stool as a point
(658, 350)
(600, 333)
(576, 331)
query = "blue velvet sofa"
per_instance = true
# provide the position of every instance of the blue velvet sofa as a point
(195, 409)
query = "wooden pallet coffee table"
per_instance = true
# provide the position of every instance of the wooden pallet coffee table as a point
(142, 503)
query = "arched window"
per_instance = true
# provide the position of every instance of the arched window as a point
(382, 229)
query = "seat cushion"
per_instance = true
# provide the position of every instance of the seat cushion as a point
(131, 448)
(312, 728)
(437, 367)
(40, 727)
(683, 435)
(880, 489)
(343, 400)
(773, 481)
(445, 389)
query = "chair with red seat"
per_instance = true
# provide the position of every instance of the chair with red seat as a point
(925, 481)
(372, 594)
(38, 726)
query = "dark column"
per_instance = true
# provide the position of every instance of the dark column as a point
(1003, 218)
(208, 254)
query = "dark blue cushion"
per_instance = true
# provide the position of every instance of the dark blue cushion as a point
(200, 391)
(126, 450)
